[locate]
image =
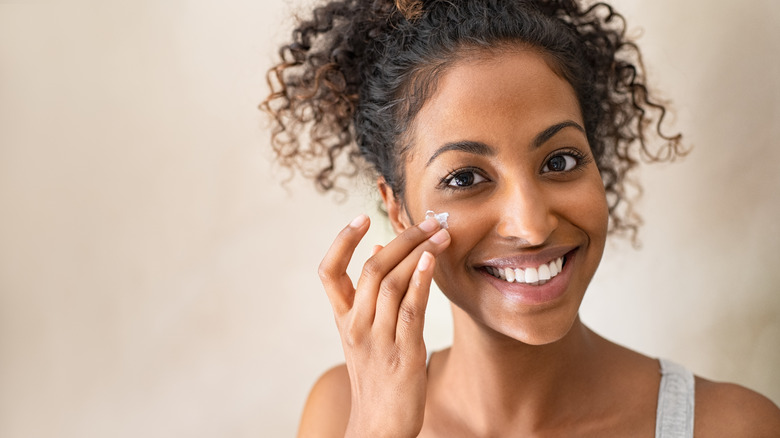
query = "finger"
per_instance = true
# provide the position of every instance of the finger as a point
(411, 312)
(333, 268)
(376, 249)
(386, 260)
(395, 286)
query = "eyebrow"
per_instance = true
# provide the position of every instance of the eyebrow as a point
(472, 147)
(479, 148)
(548, 133)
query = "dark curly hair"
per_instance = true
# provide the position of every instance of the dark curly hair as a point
(358, 71)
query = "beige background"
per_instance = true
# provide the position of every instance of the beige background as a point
(156, 280)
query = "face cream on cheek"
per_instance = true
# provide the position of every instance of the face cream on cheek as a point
(441, 218)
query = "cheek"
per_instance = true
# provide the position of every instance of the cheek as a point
(467, 227)
(463, 217)
(588, 209)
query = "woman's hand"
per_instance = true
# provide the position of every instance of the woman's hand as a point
(381, 325)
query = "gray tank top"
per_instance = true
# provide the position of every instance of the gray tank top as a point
(674, 414)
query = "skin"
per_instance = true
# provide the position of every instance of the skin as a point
(518, 366)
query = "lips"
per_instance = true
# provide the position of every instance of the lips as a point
(533, 275)
(537, 279)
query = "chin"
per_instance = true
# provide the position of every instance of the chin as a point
(544, 335)
(536, 328)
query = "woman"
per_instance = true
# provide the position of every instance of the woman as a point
(520, 119)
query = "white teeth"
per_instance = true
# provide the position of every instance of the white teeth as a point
(544, 273)
(519, 275)
(509, 273)
(536, 276)
(531, 275)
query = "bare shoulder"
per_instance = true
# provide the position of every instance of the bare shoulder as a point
(727, 409)
(326, 412)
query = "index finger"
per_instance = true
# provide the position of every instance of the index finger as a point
(333, 268)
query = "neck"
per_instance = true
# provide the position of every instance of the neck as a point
(496, 380)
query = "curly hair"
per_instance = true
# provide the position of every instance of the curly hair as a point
(356, 73)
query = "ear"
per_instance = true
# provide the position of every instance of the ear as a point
(396, 211)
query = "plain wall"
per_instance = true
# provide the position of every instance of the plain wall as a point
(157, 280)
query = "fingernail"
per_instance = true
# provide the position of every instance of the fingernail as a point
(425, 261)
(429, 225)
(440, 237)
(358, 221)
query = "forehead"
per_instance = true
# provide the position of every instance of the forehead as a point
(500, 98)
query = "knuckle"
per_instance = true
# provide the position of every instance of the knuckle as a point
(373, 267)
(353, 336)
(408, 313)
(325, 270)
(395, 359)
(388, 288)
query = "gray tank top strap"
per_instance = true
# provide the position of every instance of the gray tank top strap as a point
(674, 417)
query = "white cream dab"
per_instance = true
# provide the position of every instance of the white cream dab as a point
(440, 217)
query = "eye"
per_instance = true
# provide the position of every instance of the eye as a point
(562, 163)
(463, 178)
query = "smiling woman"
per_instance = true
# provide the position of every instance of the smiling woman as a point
(521, 119)
(532, 179)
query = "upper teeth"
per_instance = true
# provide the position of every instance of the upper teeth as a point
(538, 275)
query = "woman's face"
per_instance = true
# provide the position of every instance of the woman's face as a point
(501, 147)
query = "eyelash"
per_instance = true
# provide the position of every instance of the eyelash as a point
(451, 175)
(580, 158)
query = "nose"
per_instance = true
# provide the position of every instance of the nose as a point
(526, 213)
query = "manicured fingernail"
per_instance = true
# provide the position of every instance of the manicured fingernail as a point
(440, 237)
(358, 221)
(425, 261)
(429, 225)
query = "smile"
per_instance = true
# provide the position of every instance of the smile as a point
(533, 276)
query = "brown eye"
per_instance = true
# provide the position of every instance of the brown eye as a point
(463, 179)
(560, 163)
